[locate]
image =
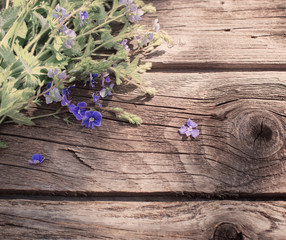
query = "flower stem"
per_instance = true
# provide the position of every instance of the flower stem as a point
(2, 119)
(99, 26)
(129, 80)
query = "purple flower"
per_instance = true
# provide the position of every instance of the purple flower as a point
(55, 73)
(60, 12)
(36, 159)
(65, 101)
(71, 36)
(83, 17)
(79, 110)
(124, 44)
(91, 119)
(92, 78)
(189, 129)
(106, 91)
(95, 99)
(105, 78)
(135, 14)
(156, 25)
(66, 91)
(132, 10)
(125, 2)
(148, 38)
(52, 95)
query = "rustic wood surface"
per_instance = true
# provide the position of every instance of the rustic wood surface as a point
(38, 219)
(226, 72)
(241, 116)
(222, 34)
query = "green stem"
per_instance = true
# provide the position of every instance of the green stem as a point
(99, 26)
(101, 55)
(109, 41)
(40, 34)
(47, 115)
(2, 119)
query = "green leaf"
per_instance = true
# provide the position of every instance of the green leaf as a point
(8, 17)
(89, 47)
(132, 118)
(19, 3)
(75, 51)
(144, 67)
(3, 145)
(20, 118)
(58, 43)
(31, 65)
(107, 40)
(133, 66)
(149, 8)
(22, 30)
(100, 16)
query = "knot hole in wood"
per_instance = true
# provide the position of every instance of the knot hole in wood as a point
(227, 231)
(259, 133)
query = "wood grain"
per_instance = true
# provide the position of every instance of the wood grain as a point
(221, 34)
(241, 150)
(38, 219)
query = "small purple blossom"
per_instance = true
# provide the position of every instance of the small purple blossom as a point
(127, 3)
(83, 17)
(105, 78)
(190, 130)
(60, 13)
(156, 25)
(71, 35)
(66, 91)
(92, 78)
(55, 73)
(95, 99)
(65, 101)
(91, 119)
(106, 91)
(36, 159)
(135, 14)
(78, 110)
(124, 44)
(53, 94)
(148, 38)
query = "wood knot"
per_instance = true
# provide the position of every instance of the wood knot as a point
(227, 231)
(258, 133)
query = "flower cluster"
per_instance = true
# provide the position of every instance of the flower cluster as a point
(90, 119)
(134, 14)
(60, 13)
(124, 44)
(70, 36)
(64, 41)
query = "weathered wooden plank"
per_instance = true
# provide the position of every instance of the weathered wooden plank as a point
(221, 34)
(241, 150)
(38, 219)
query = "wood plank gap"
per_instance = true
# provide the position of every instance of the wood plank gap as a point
(137, 196)
(215, 67)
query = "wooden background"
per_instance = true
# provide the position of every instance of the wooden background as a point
(226, 71)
